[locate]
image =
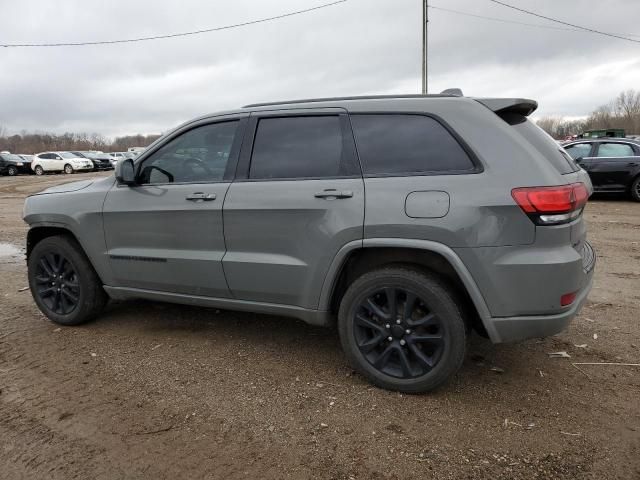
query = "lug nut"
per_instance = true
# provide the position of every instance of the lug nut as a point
(398, 321)
(390, 338)
(387, 326)
(402, 342)
(407, 331)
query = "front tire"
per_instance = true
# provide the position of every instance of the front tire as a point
(68, 169)
(635, 189)
(39, 170)
(402, 329)
(12, 171)
(63, 283)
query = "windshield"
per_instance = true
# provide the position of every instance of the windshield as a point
(78, 154)
(67, 155)
(11, 157)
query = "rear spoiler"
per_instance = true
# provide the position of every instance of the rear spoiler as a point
(522, 106)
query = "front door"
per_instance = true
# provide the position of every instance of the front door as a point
(166, 232)
(297, 199)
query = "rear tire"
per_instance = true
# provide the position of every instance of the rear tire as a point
(63, 282)
(39, 170)
(635, 189)
(402, 329)
(68, 169)
(12, 171)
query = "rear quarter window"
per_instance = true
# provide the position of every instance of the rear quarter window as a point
(405, 144)
(542, 142)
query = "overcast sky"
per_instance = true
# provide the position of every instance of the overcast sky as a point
(358, 47)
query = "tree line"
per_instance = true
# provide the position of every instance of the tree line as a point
(622, 112)
(30, 143)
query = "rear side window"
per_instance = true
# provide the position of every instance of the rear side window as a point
(615, 150)
(542, 142)
(297, 147)
(392, 144)
(579, 150)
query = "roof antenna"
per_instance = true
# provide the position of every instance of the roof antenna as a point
(456, 92)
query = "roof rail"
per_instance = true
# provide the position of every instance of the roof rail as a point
(337, 99)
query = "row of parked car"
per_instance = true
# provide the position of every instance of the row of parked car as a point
(61, 162)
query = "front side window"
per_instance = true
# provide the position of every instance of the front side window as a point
(297, 147)
(615, 150)
(391, 144)
(198, 155)
(579, 150)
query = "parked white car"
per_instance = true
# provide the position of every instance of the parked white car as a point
(65, 162)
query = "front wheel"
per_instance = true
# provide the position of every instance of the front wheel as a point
(635, 189)
(402, 329)
(39, 170)
(63, 283)
(12, 171)
(68, 169)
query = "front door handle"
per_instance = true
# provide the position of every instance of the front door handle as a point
(205, 197)
(332, 193)
(632, 164)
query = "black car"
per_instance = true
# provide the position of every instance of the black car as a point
(612, 163)
(100, 160)
(11, 164)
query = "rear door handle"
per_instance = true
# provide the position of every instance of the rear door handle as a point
(632, 164)
(332, 193)
(205, 197)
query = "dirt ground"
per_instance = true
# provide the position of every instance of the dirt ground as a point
(163, 391)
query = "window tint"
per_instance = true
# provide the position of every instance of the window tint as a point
(579, 150)
(199, 155)
(395, 144)
(615, 150)
(297, 147)
(541, 141)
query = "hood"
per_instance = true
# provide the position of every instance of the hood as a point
(67, 187)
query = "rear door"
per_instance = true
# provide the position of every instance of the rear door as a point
(612, 163)
(297, 199)
(166, 232)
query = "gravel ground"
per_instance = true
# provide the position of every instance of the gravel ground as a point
(163, 391)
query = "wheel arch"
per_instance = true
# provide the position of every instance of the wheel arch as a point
(356, 258)
(39, 232)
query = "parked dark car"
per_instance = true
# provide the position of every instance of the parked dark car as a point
(11, 164)
(101, 161)
(613, 164)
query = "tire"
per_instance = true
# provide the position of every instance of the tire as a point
(366, 337)
(55, 283)
(12, 171)
(635, 189)
(39, 170)
(68, 169)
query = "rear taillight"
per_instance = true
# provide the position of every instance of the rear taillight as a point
(552, 205)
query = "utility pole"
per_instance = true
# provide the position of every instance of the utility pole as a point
(425, 21)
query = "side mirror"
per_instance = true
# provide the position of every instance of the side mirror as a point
(125, 172)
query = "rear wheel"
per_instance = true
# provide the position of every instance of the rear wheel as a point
(12, 171)
(68, 169)
(635, 189)
(402, 329)
(39, 170)
(63, 283)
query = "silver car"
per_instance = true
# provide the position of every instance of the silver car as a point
(408, 220)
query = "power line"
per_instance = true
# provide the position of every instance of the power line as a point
(172, 35)
(587, 29)
(504, 20)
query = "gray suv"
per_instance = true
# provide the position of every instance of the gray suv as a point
(408, 220)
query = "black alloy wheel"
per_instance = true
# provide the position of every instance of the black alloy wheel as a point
(398, 334)
(57, 283)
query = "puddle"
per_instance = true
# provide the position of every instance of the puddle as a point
(10, 253)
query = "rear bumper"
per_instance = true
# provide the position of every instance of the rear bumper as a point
(511, 329)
